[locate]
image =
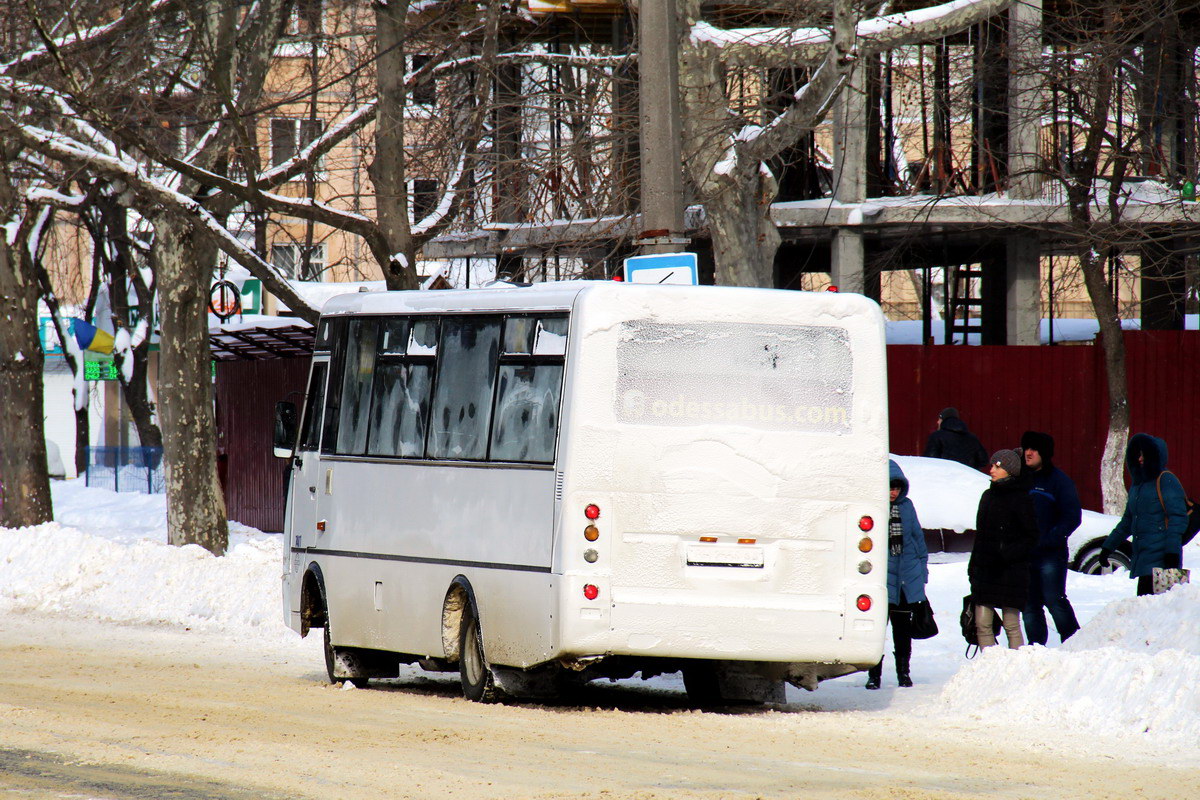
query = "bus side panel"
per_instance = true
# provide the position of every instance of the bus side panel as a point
(398, 534)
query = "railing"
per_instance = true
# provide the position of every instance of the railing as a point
(126, 469)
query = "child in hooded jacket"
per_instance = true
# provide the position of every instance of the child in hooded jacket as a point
(908, 572)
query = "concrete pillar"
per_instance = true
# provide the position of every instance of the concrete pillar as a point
(1023, 298)
(846, 261)
(662, 164)
(1025, 100)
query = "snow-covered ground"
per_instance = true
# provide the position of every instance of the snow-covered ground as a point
(1132, 673)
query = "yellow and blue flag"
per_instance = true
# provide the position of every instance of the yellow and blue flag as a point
(91, 338)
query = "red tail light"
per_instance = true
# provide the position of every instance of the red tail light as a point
(591, 592)
(865, 523)
(864, 603)
(591, 511)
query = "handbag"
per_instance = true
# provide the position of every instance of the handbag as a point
(923, 625)
(1163, 578)
(966, 621)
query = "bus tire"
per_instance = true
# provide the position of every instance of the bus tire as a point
(332, 656)
(473, 670)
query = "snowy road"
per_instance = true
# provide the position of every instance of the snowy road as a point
(107, 711)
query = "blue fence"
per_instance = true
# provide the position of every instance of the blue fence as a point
(126, 469)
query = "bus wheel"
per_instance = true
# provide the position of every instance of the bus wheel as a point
(337, 661)
(476, 676)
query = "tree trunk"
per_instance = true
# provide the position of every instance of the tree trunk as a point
(387, 170)
(195, 504)
(112, 237)
(1112, 464)
(744, 238)
(24, 482)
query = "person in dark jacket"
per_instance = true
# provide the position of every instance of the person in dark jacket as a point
(908, 572)
(953, 441)
(1156, 527)
(1005, 534)
(1056, 507)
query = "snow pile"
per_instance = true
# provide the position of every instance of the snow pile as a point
(1133, 669)
(108, 559)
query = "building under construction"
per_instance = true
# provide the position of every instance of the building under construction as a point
(960, 181)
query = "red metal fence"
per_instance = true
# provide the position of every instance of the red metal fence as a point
(253, 478)
(1002, 391)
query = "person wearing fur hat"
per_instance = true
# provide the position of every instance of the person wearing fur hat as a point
(1005, 534)
(1156, 525)
(953, 441)
(1056, 506)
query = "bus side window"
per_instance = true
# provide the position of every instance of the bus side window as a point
(525, 424)
(333, 390)
(466, 375)
(313, 403)
(400, 399)
(356, 386)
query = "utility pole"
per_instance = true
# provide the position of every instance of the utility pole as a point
(662, 164)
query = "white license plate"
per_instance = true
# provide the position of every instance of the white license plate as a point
(724, 556)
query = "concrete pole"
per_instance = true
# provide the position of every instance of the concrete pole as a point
(1023, 282)
(662, 164)
(846, 257)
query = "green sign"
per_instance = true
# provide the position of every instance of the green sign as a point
(252, 296)
(99, 370)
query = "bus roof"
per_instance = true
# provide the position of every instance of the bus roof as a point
(561, 296)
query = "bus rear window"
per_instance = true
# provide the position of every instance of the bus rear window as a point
(769, 377)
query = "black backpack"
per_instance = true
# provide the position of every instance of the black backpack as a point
(1193, 514)
(966, 621)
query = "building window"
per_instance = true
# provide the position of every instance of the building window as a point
(423, 199)
(290, 136)
(424, 91)
(289, 260)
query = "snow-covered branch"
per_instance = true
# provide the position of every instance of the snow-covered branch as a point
(155, 194)
(42, 55)
(785, 46)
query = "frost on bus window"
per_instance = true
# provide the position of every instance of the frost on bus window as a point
(393, 337)
(518, 335)
(400, 409)
(422, 340)
(462, 404)
(356, 386)
(526, 412)
(769, 377)
(550, 339)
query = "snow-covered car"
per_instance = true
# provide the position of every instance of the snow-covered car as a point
(946, 495)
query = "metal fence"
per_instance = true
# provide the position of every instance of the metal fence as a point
(126, 469)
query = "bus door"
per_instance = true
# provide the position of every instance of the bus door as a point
(306, 467)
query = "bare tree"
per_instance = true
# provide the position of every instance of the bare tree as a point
(725, 151)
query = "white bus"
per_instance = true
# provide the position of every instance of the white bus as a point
(569, 481)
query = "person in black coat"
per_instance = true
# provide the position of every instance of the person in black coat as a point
(1006, 533)
(953, 441)
(1056, 507)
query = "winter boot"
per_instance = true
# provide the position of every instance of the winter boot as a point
(902, 669)
(874, 675)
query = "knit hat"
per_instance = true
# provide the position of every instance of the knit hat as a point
(949, 411)
(1036, 440)
(1008, 460)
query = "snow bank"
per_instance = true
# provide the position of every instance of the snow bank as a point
(108, 559)
(1132, 670)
